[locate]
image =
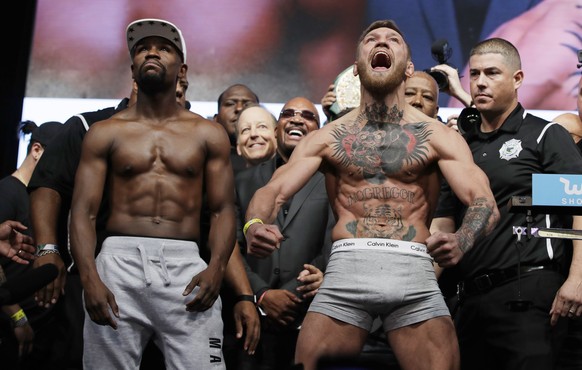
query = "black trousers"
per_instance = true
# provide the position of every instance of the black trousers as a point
(493, 336)
(276, 349)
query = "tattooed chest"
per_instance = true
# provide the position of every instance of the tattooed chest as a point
(380, 150)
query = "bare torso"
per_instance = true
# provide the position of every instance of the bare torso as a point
(382, 178)
(156, 176)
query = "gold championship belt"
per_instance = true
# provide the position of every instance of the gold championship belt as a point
(347, 91)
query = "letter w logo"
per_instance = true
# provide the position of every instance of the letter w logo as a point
(573, 190)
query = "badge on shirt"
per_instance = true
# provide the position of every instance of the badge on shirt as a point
(510, 149)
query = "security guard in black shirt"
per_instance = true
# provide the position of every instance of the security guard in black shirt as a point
(513, 290)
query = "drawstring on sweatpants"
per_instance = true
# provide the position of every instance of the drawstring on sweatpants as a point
(165, 274)
(146, 266)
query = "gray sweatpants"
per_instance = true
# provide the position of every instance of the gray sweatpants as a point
(147, 277)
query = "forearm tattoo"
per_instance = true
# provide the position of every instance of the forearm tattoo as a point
(476, 223)
(378, 146)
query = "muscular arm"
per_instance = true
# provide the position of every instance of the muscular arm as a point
(45, 205)
(471, 186)
(262, 239)
(245, 313)
(221, 238)
(50, 189)
(220, 185)
(235, 274)
(87, 194)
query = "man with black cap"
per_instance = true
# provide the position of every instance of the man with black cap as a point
(154, 158)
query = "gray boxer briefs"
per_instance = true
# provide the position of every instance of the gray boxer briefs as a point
(390, 279)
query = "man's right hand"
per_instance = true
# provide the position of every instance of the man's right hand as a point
(98, 301)
(281, 306)
(50, 293)
(445, 248)
(248, 324)
(262, 240)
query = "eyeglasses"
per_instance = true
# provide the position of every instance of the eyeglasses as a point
(305, 114)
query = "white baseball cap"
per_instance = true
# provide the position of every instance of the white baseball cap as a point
(143, 28)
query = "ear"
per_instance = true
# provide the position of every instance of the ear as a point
(183, 71)
(409, 69)
(36, 151)
(238, 151)
(355, 69)
(215, 118)
(517, 79)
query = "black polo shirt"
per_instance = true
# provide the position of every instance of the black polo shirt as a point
(57, 167)
(58, 164)
(523, 145)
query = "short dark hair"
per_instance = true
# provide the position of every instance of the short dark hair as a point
(384, 23)
(221, 96)
(500, 46)
(42, 134)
